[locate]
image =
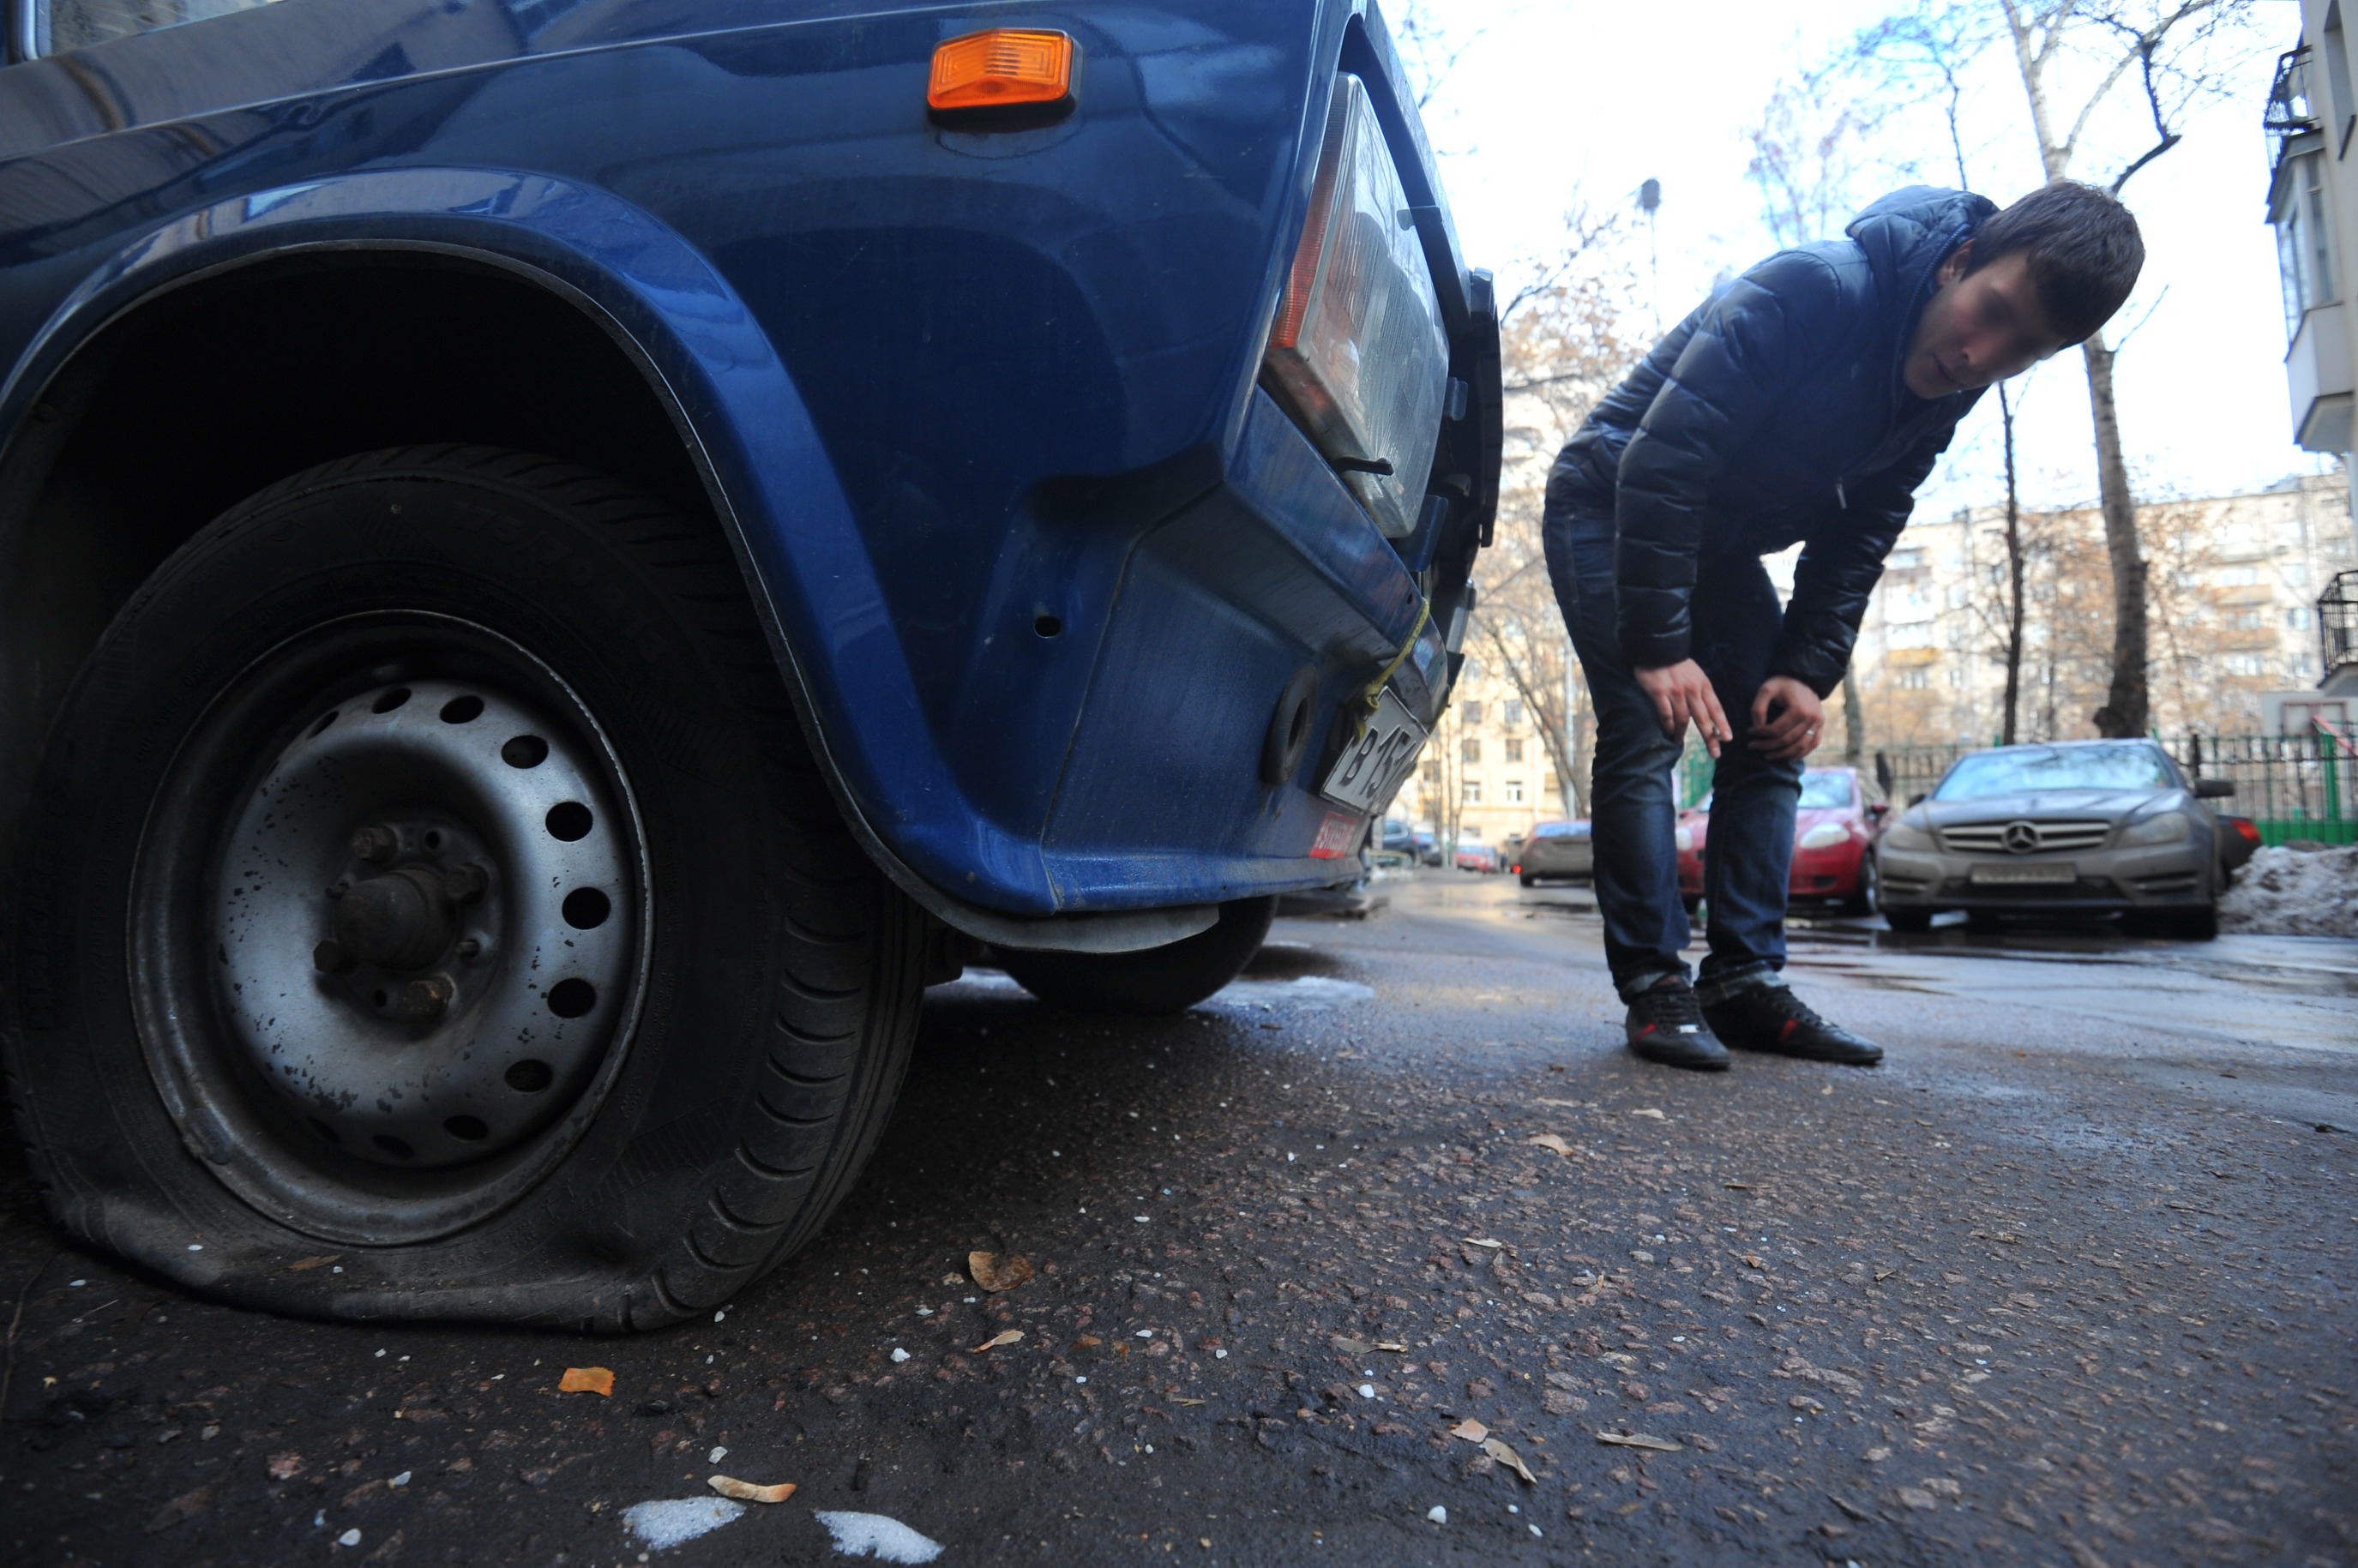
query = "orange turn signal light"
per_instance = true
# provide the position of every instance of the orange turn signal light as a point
(1002, 68)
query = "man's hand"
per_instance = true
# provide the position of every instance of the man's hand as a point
(1786, 719)
(1682, 695)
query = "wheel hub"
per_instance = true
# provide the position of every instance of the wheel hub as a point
(426, 924)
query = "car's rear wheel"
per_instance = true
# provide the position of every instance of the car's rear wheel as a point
(1170, 979)
(425, 876)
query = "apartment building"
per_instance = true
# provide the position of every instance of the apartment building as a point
(1487, 775)
(2234, 582)
(2312, 115)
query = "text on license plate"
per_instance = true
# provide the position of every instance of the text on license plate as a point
(1372, 767)
(2046, 875)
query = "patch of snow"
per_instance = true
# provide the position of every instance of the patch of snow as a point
(2295, 893)
(879, 1536)
(669, 1521)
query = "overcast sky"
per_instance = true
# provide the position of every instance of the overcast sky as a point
(1565, 100)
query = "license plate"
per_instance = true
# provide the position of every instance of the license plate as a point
(2046, 875)
(1372, 768)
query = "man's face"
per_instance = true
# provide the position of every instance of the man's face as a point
(1979, 328)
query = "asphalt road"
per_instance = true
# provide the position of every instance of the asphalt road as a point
(2068, 1280)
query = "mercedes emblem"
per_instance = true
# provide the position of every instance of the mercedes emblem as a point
(2020, 838)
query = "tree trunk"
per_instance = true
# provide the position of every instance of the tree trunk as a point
(1575, 792)
(2014, 576)
(2126, 711)
(1854, 721)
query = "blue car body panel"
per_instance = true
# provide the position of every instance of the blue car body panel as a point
(980, 406)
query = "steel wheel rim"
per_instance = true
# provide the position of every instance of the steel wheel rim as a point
(262, 1050)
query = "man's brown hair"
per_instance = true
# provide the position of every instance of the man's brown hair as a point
(2082, 247)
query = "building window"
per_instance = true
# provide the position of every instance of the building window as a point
(2297, 618)
(2247, 618)
(1514, 713)
(2246, 663)
(1473, 792)
(1470, 749)
(1514, 751)
(1471, 710)
(1514, 792)
(2303, 258)
(2238, 577)
(1913, 680)
(1432, 773)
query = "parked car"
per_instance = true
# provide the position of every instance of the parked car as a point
(561, 562)
(2093, 827)
(1557, 849)
(2239, 840)
(1840, 812)
(1475, 858)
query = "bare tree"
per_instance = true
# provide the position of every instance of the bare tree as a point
(2171, 50)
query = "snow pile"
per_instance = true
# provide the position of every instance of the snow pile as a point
(2295, 893)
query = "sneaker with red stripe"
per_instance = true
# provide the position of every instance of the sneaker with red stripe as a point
(1772, 1018)
(1666, 1025)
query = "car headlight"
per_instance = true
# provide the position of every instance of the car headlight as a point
(1685, 839)
(1906, 835)
(1824, 836)
(1358, 347)
(2166, 828)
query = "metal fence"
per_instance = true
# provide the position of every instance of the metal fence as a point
(2293, 788)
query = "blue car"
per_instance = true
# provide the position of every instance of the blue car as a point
(562, 559)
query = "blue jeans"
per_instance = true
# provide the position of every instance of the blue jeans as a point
(1633, 800)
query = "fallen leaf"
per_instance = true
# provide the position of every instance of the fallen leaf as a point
(187, 1505)
(1639, 1439)
(1186, 1401)
(1877, 1455)
(1737, 1186)
(1088, 1342)
(285, 1466)
(1559, 1104)
(747, 1492)
(1851, 1508)
(586, 1380)
(1469, 1429)
(1004, 1336)
(1491, 1242)
(996, 1272)
(1916, 1498)
(1651, 1111)
(1752, 1261)
(1505, 1454)
(304, 1264)
(1550, 1142)
(1345, 1345)
(1394, 1346)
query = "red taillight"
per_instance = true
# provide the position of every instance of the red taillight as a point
(2247, 830)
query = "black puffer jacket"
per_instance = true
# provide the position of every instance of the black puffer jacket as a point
(1776, 414)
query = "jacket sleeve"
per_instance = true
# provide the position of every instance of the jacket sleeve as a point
(1841, 565)
(1748, 345)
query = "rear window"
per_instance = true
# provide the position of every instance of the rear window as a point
(2129, 765)
(58, 25)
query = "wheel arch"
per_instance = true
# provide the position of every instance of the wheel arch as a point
(522, 310)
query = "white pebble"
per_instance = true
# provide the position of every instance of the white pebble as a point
(350, 1537)
(1219, 1355)
(899, 1354)
(400, 1480)
(1366, 1391)
(1437, 1514)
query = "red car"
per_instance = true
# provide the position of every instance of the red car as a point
(1842, 813)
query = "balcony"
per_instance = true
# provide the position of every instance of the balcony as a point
(2317, 371)
(2336, 626)
(2288, 114)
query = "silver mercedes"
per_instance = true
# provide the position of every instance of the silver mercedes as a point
(2093, 827)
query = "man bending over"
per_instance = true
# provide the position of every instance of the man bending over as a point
(1803, 402)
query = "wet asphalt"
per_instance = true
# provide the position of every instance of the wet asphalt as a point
(2069, 1280)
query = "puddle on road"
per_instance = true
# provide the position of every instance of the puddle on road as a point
(1291, 960)
(1302, 993)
